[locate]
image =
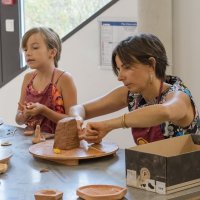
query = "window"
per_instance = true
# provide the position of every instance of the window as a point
(63, 16)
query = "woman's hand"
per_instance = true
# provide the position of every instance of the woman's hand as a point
(95, 131)
(79, 122)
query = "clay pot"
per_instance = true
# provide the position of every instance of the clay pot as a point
(48, 195)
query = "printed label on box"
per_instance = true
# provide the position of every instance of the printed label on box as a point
(160, 187)
(151, 185)
(131, 178)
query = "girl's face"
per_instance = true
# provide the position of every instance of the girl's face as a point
(135, 77)
(36, 52)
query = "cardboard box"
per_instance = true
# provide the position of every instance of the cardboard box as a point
(164, 166)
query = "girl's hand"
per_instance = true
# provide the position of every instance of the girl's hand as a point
(33, 109)
(22, 110)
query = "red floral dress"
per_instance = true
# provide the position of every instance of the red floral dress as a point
(50, 97)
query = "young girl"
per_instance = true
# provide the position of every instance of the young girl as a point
(47, 92)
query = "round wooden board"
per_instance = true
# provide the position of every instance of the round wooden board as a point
(44, 150)
(5, 155)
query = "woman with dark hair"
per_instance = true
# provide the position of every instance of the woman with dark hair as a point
(160, 106)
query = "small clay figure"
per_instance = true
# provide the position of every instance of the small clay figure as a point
(38, 137)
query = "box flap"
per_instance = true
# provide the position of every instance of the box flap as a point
(169, 147)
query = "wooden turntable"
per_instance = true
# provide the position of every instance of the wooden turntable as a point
(45, 150)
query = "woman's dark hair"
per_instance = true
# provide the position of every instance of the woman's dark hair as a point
(140, 48)
(51, 38)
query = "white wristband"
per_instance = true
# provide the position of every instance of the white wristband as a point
(77, 111)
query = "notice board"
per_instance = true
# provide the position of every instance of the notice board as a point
(111, 33)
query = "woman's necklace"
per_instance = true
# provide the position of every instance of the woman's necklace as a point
(151, 102)
(157, 99)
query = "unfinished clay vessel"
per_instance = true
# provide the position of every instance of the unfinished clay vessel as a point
(48, 195)
(66, 134)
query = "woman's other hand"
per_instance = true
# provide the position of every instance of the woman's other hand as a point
(95, 131)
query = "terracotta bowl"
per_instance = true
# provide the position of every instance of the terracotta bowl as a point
(48, 195)
(101, 192)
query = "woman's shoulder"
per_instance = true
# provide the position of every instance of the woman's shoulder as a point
(177, 85)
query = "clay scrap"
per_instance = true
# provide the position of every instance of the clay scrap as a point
(7, 143)
(3, 168)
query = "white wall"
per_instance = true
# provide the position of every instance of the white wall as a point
(81, 58)
(186, 43)
(155, 17)
(9, 97)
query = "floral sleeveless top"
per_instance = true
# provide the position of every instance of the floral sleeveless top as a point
(50, 97)
(168, 128)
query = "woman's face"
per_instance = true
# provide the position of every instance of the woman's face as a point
(135, 77)
(36, 52)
